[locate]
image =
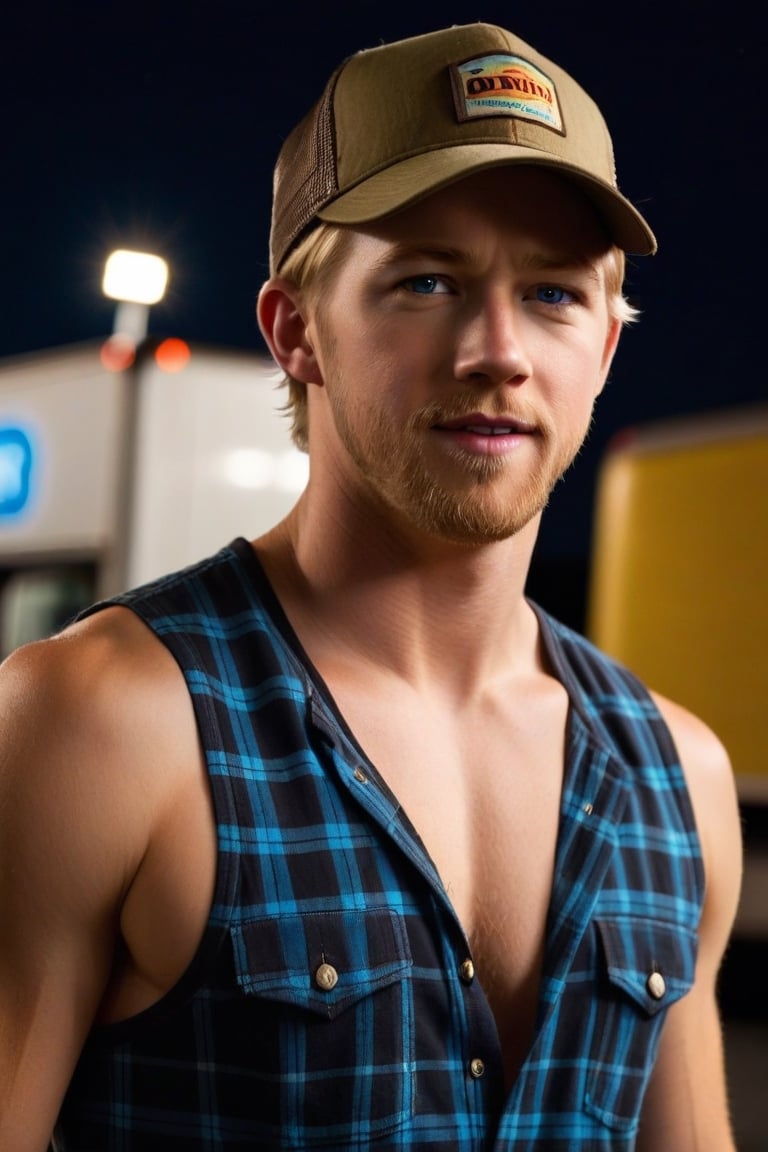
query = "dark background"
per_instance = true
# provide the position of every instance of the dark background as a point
(156, 126)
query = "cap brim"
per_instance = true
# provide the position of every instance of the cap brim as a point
(414, 178)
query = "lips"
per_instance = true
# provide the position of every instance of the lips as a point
(479, 425)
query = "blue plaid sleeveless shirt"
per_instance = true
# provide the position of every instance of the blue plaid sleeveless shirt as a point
(329, 1004)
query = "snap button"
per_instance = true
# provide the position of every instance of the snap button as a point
(467, 971)
(656, 985)
(360, 776)
(326, 977)
(477, 1068)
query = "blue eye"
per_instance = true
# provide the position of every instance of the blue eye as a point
(551, 294)
(426, 285)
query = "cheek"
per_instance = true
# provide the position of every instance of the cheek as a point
(573, 382)
(394, 363)
(582, 363)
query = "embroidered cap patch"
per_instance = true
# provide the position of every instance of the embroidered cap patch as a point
(505, 85)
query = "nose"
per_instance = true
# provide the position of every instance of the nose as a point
(490, 344)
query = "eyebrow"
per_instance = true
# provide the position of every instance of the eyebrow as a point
(401, 251)
(563, 262)
(534, 262)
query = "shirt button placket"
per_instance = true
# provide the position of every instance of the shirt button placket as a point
(476, 1065)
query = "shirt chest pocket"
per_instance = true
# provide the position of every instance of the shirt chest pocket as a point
(326, 1026)
(647, 965)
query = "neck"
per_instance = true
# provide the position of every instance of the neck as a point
(359, 591)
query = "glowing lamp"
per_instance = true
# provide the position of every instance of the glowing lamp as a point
(137, 277)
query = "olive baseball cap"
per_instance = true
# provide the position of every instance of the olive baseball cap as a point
(398, 122)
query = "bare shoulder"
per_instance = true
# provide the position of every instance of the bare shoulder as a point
(696, 742)
(85, 718)
(712, 788)
(99, 691)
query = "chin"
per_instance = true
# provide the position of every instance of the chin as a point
(474, 522)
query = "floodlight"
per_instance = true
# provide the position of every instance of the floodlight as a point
(135, 277)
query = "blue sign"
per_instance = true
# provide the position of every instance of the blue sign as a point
(15, 471)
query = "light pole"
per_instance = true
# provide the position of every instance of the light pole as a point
(136, 280)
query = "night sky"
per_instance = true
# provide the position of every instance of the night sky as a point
(156, 126)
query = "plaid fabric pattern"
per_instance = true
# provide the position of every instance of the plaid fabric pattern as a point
(325, 1007)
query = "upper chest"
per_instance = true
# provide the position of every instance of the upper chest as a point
(482, 789)
(480, 785)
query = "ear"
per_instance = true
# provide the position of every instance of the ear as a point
(282, 318)
(609, 351)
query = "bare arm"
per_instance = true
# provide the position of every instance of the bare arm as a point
(72, 835)
(686, 1107)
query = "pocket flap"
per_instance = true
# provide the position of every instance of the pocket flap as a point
(321, 961)
(651, 960)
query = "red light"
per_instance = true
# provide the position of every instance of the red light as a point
(172, 354)
(117, 353)
(622, 439)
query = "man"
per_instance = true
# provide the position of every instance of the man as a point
(335, 840)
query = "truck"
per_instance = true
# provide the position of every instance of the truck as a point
(115, 471)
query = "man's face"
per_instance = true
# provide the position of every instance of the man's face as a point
(461, 347)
